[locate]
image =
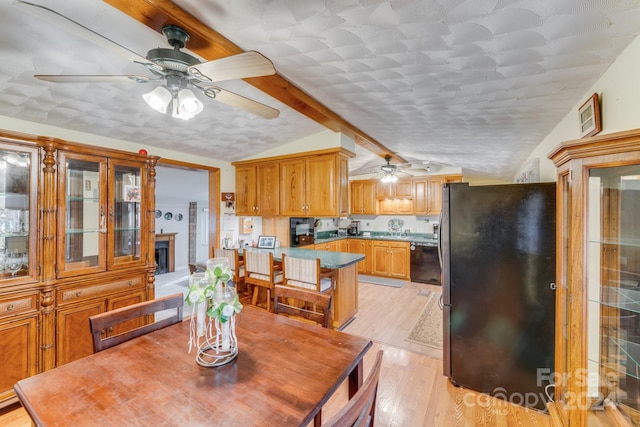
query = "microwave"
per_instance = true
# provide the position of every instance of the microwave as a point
(301, 231)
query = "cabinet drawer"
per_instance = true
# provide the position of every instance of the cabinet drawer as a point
(399, 245)
(97, 290)
(17, 305)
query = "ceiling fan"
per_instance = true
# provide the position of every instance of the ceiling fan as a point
(177, 71)
(391, 173)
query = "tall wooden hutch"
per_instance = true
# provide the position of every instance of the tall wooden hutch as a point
(77, 231)
(598, 297)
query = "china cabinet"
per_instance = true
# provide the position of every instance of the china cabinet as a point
(77, 233)
(598, 281)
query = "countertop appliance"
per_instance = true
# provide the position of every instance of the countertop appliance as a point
(301, 231)
(498, 254)
(354, 228)
(425, 263)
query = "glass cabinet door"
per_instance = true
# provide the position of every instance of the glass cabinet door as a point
(126, 210)
(82, 222)
(18, 198)
(613, 286)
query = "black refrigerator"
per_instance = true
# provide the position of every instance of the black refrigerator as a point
(498, 291)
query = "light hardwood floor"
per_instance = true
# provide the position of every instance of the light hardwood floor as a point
(412, 389)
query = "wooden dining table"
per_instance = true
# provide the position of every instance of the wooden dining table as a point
(285, 372)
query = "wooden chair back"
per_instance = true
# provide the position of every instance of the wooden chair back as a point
(303, 303)
(307, 274)
(360, 410)
(107, 320)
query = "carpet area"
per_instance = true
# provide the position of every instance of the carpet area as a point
(384, 281)
(428, 328)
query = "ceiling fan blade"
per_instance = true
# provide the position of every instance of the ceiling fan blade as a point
(79, 29)
(238, 101)
(93, 78)
(240, 66)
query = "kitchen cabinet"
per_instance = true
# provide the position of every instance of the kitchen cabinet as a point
(363, 197)
(343, 245)
(258, 189)
(77, 237)
(390, 259)
(313, 184)
(364, 247)
(598, 277)
(401, 189)
(428, 196)
(331, 246)
(395, 206)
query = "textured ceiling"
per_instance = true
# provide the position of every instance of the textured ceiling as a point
(474, 84)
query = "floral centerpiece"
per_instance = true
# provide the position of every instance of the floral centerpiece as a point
(213, 319)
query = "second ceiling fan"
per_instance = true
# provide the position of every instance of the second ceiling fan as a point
(178, 70)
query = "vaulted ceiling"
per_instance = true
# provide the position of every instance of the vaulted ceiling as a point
(466, 83)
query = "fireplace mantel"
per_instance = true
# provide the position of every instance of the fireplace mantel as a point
(169, 238)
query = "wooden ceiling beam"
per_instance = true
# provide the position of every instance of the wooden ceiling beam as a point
(210, 45)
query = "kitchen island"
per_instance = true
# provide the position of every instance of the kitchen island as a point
(345, 296)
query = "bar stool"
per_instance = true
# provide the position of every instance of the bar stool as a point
(237, 266)
(262, 274)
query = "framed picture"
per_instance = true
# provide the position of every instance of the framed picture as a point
(266, 242)
(589, 115)
(132, 193)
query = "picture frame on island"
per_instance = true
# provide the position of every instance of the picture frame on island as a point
(266, 242)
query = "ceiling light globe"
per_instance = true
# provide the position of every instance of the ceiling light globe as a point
(188, 104)
(158, 99)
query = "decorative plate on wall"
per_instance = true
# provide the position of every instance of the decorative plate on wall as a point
(179, 217)
(168, 216)
(158, 213)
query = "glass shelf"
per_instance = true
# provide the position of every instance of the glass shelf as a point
(622, 298)
(623, 241)
(627, 359)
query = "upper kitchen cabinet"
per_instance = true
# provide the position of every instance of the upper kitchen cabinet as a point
(363, 197)
(18, 212)
(313, 184)
(258, 189)
(102, 204)
(402, 189)
(428, 193)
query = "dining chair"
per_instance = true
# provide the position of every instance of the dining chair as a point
(360, 410)
(302, 304)
(105, 322)
(262, 274)
(236, 265)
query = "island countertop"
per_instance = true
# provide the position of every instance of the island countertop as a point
(328, 259)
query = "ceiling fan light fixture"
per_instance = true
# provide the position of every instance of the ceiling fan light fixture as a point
(158, 99)
(389, 178)
(188, 104)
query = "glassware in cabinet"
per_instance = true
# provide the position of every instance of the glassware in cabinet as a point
(18, 198)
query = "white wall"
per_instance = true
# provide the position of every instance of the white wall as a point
(619, 92)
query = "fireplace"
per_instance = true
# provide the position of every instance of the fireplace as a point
(165, 253)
